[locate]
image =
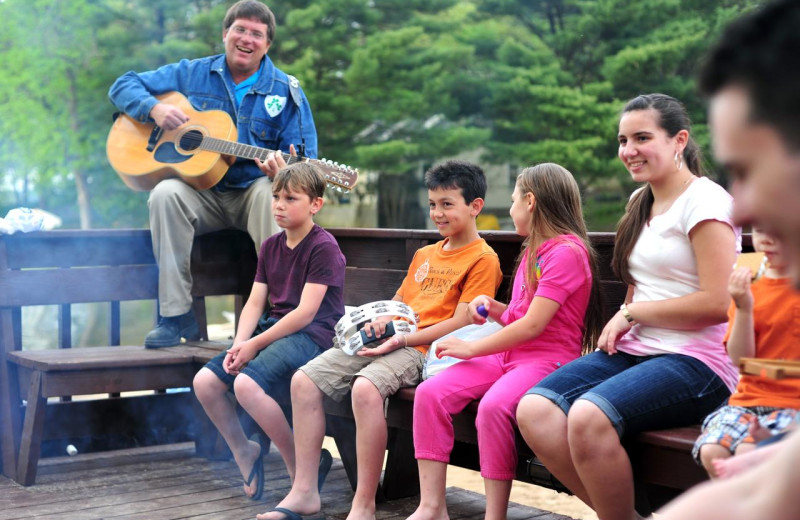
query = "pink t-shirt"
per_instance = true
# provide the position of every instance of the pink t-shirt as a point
(566, 278)
(664, 266)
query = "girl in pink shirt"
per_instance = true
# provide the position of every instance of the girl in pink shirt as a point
(545, 327)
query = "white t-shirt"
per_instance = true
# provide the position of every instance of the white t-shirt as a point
(663, 265)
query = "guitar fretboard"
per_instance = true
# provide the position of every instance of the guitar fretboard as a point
(242, 150)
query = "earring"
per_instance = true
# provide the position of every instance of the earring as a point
(678, 160)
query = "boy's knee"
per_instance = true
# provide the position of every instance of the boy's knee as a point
(204, 383)
(244, 387)
(301, 383)
(365, 393)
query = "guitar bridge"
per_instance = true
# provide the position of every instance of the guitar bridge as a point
(155, 136)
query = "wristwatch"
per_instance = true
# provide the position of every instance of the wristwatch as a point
(626, 313)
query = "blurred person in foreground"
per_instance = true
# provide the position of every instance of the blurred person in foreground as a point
(754, 90)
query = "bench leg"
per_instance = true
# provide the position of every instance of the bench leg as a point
(401, 478)
(10, 418)
(31, 440)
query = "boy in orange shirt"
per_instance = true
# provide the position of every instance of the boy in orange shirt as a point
(764, 323)
(441, 281)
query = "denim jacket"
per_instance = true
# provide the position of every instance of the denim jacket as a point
(203, 82)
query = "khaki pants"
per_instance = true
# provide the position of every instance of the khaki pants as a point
(178, 213)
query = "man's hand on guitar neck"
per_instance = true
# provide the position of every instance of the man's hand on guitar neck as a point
(168, 117)
(274, 162)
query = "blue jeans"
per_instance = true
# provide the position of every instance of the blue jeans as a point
(273, 366)
(638, 393)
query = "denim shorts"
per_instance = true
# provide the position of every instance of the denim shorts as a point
(273, 366)
(638, 393)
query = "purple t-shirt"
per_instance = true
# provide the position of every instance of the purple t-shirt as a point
(565, 277)
(316, 259)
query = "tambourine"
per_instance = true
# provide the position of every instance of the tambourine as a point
(349, 334)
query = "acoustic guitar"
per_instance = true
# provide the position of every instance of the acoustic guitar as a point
(143, 154)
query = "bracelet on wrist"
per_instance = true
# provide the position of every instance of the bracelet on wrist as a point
(627, 314)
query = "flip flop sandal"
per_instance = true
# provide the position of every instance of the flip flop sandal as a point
(257, 471)
(325, 462)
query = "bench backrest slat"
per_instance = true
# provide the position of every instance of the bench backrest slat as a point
(79, 248)
(66, 286)
(365, 285)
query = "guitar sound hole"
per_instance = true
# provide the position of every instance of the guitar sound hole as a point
(191, 140)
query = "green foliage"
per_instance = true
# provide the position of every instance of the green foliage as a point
(393, 84)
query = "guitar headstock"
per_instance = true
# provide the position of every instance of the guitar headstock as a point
(337, 175)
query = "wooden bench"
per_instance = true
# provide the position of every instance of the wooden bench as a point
(64, 268)
(115, 266)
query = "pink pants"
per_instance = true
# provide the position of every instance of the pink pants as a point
(499, 381)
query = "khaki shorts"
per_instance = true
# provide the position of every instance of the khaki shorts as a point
(334, 371)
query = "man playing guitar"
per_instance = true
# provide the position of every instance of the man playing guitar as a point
(270, 111)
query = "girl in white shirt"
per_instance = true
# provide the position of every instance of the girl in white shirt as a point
(660, 360)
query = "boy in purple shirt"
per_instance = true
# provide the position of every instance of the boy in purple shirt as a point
(301, 271)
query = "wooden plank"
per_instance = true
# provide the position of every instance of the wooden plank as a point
(81, 358)
(10, 338)
(681, 439)
(31, 438)
(167, 483)
(91, 284)
(374, 253)
(770, 368)
(67, 248)
(65, 326)
(364, 285)
(123, 379)
(114, 323)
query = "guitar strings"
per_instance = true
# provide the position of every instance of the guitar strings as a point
(194, 139)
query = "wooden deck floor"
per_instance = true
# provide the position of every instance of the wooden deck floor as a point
(169, 482)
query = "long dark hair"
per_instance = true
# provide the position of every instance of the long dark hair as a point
(672, 119)
(558, 212)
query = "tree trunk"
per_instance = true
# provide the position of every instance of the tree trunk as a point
(81, 187)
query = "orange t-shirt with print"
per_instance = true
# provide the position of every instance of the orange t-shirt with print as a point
(776, 320)
(438, 280)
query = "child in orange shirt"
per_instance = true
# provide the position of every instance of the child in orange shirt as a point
(764, 323)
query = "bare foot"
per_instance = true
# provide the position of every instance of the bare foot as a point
(430, 512)
(731, 466)
(302, 503)
(758, 432)
(361, 513)
(244, 461)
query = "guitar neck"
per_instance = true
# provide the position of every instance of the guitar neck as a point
(245, 151)
(335, 174)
